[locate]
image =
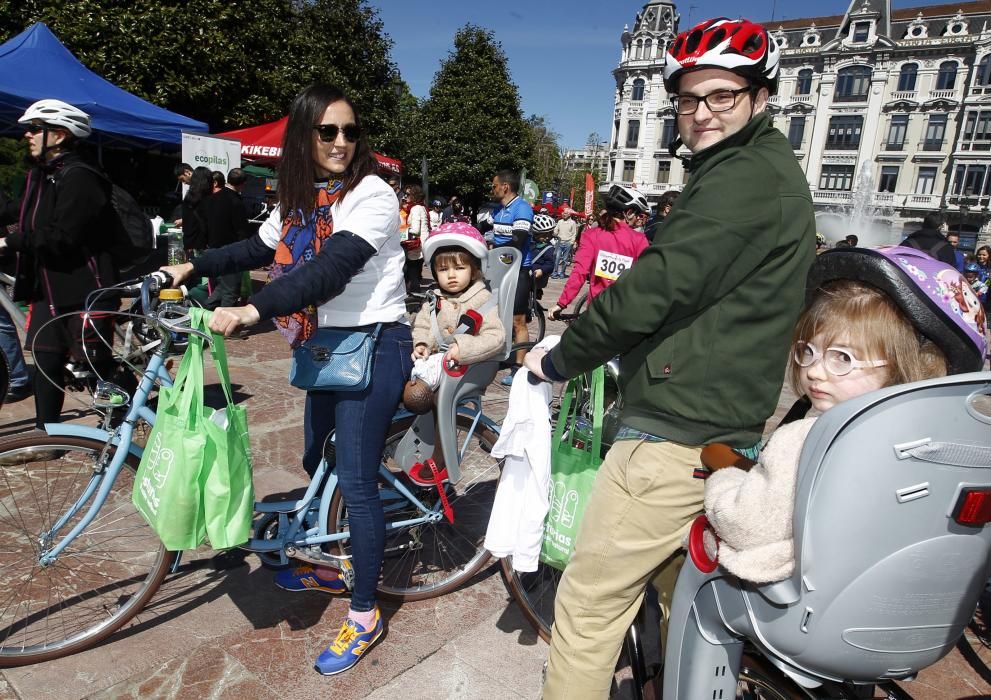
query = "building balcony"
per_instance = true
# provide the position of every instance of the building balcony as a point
(922, 201)
(943, 95)
(831, 196)
(850, 98)
(911, 95)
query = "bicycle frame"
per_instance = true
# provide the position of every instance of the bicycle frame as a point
(292, 513)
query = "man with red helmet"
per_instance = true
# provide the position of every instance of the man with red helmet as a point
(702, 324)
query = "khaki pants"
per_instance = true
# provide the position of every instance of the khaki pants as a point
(642, 505)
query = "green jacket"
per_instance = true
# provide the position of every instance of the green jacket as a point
(703, 320)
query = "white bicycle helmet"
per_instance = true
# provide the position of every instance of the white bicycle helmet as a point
(59, 114)
(543, 223)
(739, 46)
(624, 198)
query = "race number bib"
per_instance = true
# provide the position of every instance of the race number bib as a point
(611, 265)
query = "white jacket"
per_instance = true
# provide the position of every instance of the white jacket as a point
(752, 511)
(516, 525)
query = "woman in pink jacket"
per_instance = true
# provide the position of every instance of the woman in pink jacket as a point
(608, 250)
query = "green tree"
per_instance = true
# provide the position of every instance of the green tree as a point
(471, 125)
(229, 64)
(546, 154)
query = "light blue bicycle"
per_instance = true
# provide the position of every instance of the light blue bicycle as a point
(77, 561)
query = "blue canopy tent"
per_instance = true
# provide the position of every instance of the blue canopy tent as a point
(34, 65)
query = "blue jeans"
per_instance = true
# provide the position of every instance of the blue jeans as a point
(11, 346)
(561, 252)
(361, 421)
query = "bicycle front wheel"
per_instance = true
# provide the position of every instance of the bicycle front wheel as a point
(536, 324)
(534, 592)
(431, 559)
(99, 582)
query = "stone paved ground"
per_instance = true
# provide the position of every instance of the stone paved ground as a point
(233, 634)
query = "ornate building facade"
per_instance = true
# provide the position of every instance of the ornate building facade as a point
(889, 111)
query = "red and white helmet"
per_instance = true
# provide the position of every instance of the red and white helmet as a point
(457, 234)
(739, 46)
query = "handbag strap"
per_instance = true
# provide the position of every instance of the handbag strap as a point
(199, 320)
(567, 417)
(189, 382)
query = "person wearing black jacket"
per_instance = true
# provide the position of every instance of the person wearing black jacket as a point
(62, 243)
(195, 227)
(931, 239)
(226, 222)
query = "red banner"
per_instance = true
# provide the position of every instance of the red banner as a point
(589, 193)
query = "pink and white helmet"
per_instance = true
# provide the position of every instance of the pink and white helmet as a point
(457, 234)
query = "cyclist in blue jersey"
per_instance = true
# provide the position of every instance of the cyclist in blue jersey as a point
(511, 226)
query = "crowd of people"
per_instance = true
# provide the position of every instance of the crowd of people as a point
(725, 259)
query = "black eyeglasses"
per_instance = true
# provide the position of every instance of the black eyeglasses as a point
(328, 132)
(716, 101)
(35, 128)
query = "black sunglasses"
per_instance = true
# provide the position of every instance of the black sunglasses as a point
(328, 132)
(35, 128)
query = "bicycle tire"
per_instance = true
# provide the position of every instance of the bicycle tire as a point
(47, 612)
(581, 304)
(435, 558)
(4, 377)
(536, 322)
(534, 592)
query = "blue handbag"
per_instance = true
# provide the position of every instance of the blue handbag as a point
(334, 360)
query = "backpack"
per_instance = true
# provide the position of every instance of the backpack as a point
(134, 238)
(932, 252)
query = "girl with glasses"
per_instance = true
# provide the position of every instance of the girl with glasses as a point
(875, 318)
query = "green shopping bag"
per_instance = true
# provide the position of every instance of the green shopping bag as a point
(168, 488)
(575, 459)
(194, 479)
(228, 491)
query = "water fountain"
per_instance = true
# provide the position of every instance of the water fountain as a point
(870, 223)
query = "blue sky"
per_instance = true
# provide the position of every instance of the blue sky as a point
(561, 52)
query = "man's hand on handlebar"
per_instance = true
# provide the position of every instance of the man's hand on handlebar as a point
(228, 319)
(179, 273)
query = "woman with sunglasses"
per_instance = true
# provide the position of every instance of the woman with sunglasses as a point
(63, 245)
(333, 243)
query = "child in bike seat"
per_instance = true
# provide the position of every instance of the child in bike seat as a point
(458, 256)
(873, 318)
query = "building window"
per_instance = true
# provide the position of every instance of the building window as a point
(663, 171)
(796, 132)
(648, 49)
(946, 79)
(844, 132)
(889, 177)
(853, 83)
(926, 181)
(629, 169)
(935, 132)
(804, 86)
(836, 177)
(638, 86)
(668, 132)
(615, 127)
(968, 180)
(983, 78)
(861, 30)
(896, 133)
(639, 51)
(977, 132)
(632, 133)
(906, 79)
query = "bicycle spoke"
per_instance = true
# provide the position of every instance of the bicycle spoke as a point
(98, 581)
